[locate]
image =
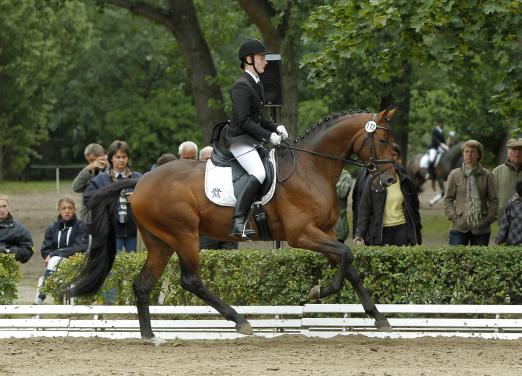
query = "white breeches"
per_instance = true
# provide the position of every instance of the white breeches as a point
(432, 154)
(249, 159)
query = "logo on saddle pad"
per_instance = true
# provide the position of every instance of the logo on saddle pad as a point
(215, 192)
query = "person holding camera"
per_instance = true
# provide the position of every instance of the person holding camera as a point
(119, 168)
(97, 162)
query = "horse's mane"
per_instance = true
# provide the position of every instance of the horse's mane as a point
(327, 121)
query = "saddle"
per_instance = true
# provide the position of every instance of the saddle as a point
(222, 157)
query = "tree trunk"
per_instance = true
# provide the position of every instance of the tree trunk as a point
(181, 19)
(207, 93)
(400, 97)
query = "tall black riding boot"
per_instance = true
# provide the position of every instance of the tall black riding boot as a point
(243, 204)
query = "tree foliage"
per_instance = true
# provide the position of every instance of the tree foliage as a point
(376, 42)
(37, 39)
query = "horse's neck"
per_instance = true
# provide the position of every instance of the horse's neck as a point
(336, 141)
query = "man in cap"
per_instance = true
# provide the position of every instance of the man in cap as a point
(507, 174)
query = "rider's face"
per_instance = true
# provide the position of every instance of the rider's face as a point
(515, 156)
(260, 62)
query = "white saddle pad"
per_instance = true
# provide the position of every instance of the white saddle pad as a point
(425, 161)
(219, 188)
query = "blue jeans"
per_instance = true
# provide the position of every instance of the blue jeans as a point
(465, 238)
(130, 244)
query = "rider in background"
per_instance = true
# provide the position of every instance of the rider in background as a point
(248, 128)
(436, 147)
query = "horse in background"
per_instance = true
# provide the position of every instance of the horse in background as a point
(171, 210)
(449, 160)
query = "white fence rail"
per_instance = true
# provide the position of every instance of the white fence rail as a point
(203, 322)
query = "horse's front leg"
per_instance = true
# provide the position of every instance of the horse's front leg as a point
(339, 254)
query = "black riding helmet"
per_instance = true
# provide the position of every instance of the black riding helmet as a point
(251, 47)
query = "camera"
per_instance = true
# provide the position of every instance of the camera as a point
(122, 206)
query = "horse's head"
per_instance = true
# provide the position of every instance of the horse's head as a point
(374, 146)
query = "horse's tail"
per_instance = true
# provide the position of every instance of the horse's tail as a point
(101, 255)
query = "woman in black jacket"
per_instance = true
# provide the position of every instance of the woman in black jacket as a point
(248, 128)
(15, 238)
(389, 216)
(65, 237)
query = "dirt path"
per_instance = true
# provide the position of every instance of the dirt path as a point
(295, 355)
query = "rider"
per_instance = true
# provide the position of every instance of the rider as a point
(248, 129)
(437, 143)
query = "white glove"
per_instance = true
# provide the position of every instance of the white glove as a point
(275, 139)
(282, 131)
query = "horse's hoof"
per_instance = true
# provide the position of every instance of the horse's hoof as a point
(383, 325)
(244, 328)
(315, 293)
(156, 341)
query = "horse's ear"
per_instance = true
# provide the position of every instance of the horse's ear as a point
(387, 114)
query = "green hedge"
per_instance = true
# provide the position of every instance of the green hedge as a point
(444, 275)
(9, 278)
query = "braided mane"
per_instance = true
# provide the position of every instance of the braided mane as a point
(327, 121)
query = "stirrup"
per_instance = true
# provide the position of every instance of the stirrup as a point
(245, 233)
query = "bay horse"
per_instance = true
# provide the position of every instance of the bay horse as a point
(171, 210)
(450, 160)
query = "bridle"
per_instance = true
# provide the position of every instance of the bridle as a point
(370, 128)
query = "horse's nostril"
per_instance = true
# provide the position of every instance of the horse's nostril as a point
(390, 180)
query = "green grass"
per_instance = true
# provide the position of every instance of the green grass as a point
(25, 187)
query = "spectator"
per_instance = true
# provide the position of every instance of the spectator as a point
(119, 168)
(362, 176)
(389, 215)
(209, 243)
(506, 175)
(165, 158)
(15, 239)
(188, 150)
(65, 237)
(97, 162)
(343, 186)
(471, 201)
(205, 153)
(510, 229)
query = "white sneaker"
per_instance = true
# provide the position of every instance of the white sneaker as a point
(39, 301)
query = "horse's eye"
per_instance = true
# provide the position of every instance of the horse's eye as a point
(383, 141)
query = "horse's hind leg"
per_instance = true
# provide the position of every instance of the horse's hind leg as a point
(158, 255)
(191, 281)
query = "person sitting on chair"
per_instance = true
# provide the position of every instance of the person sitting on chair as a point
(248, 128)
(65, 237)
(437, 143)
